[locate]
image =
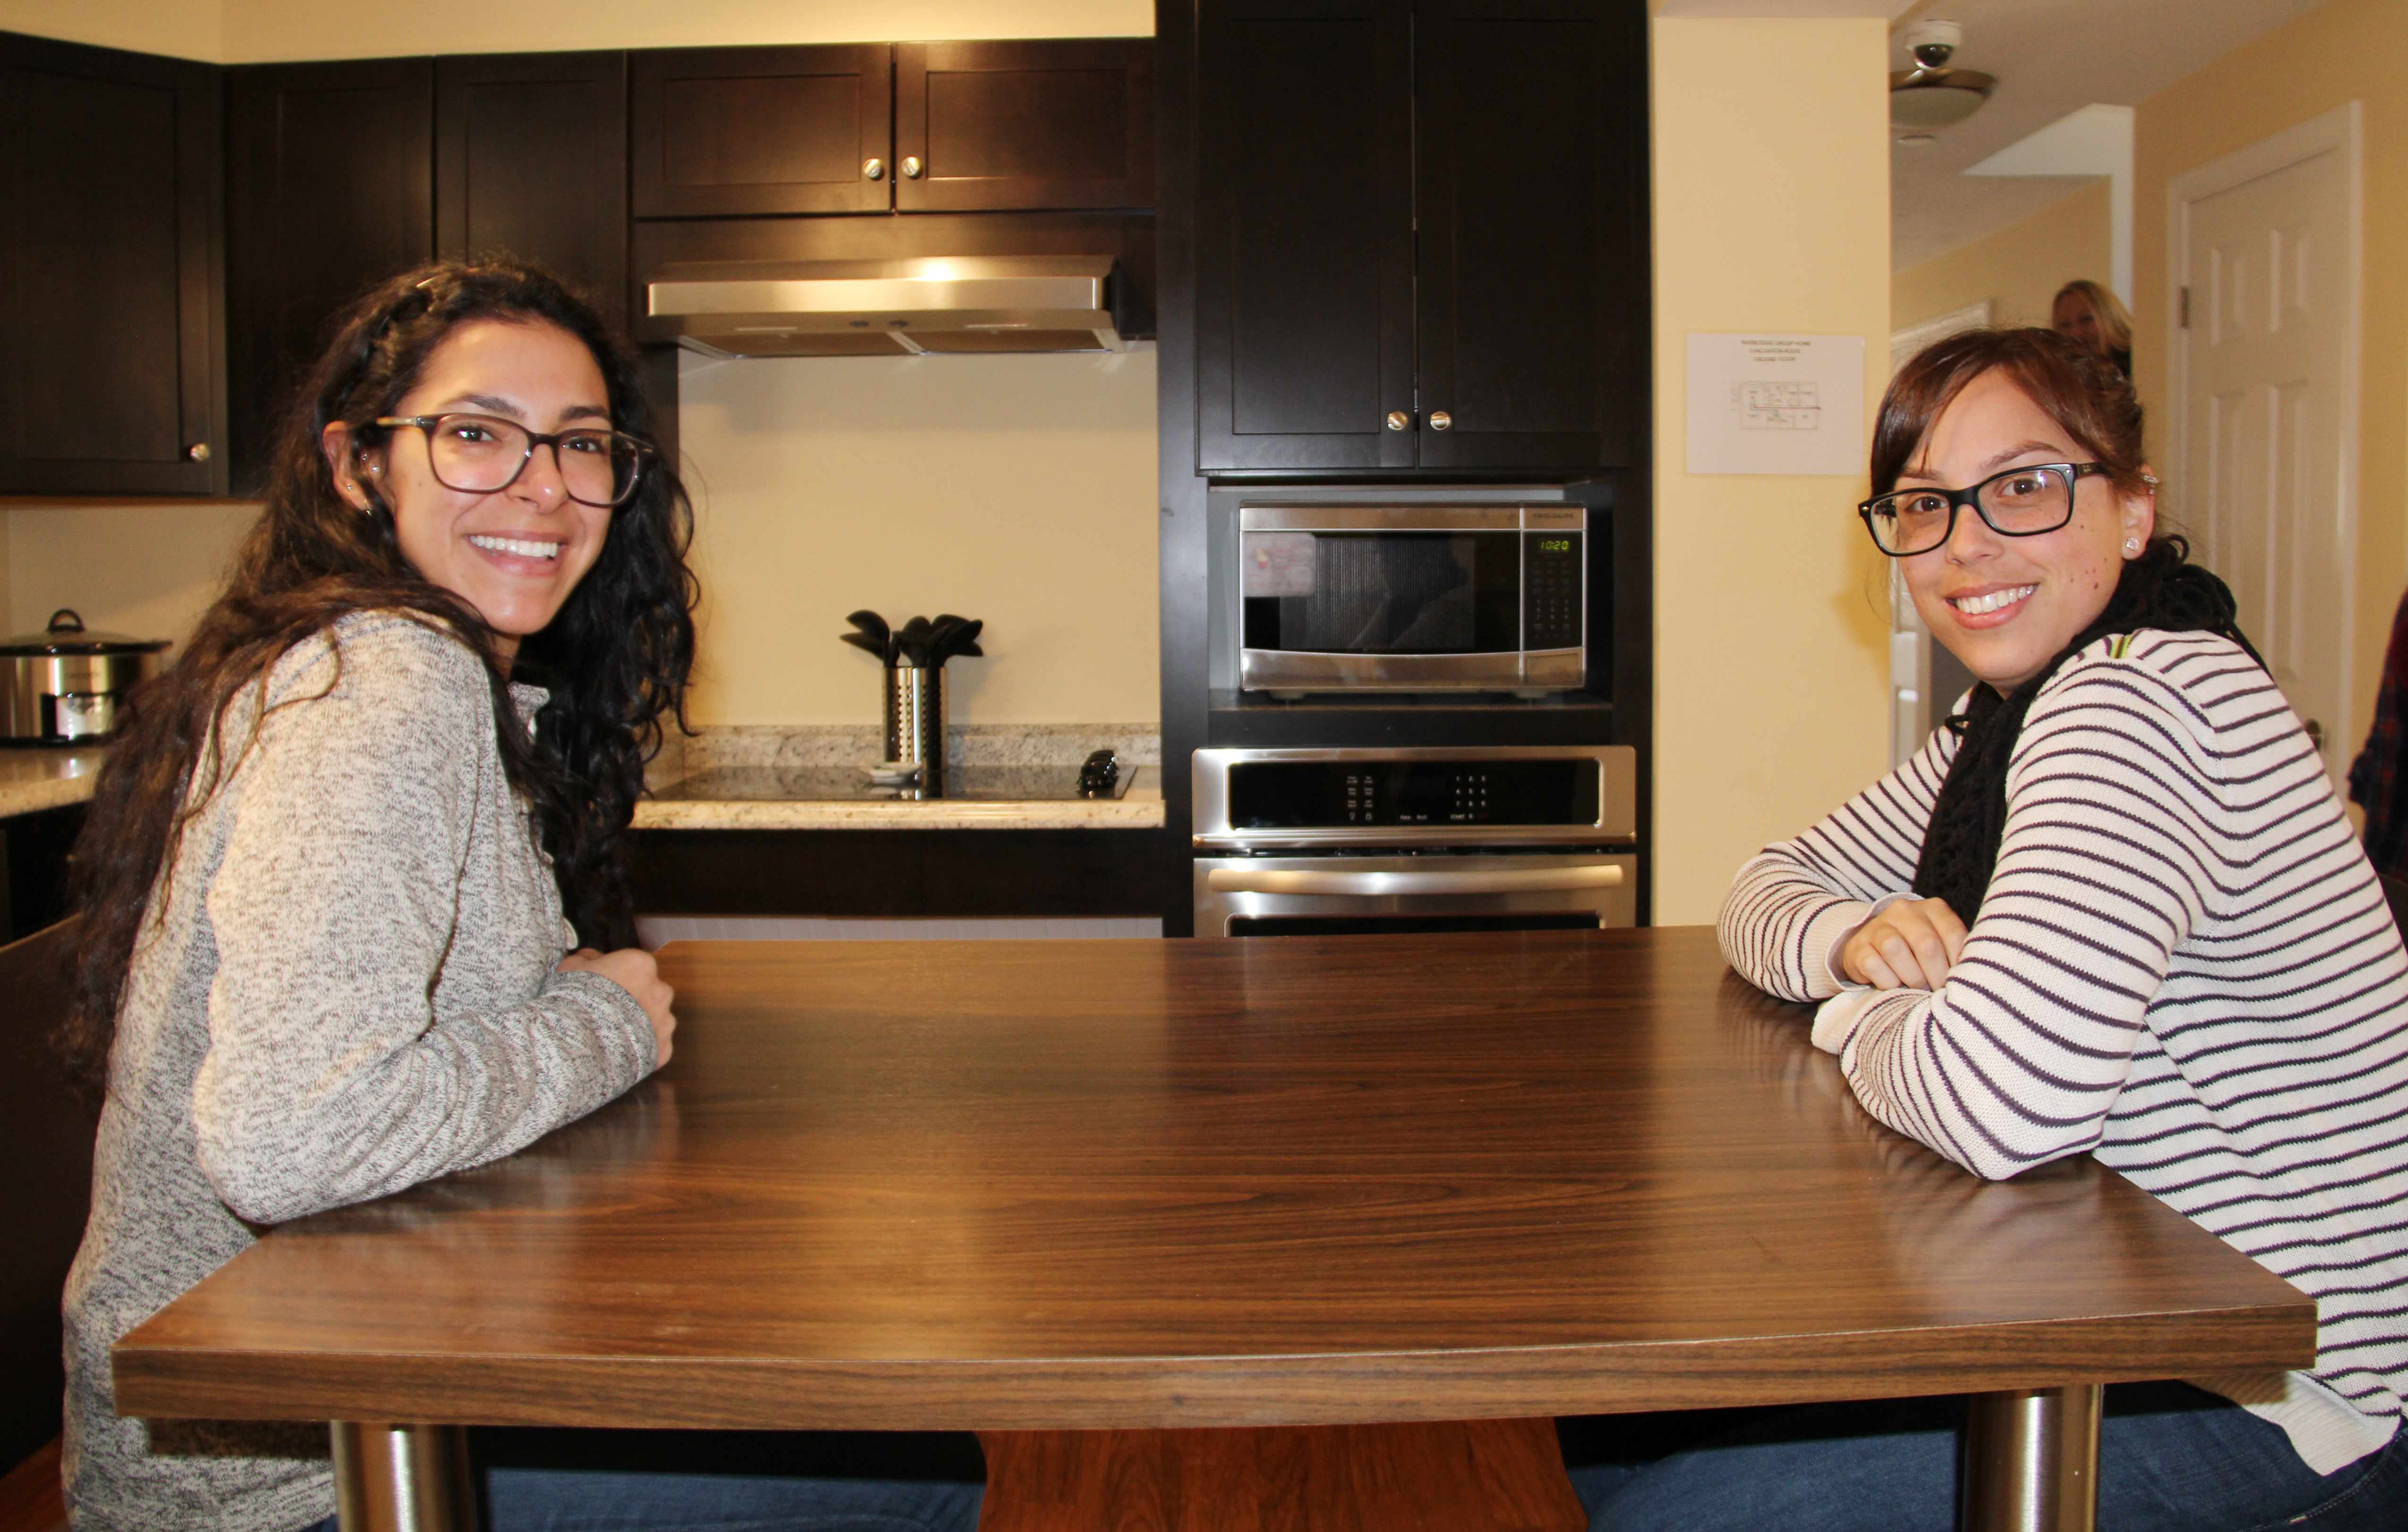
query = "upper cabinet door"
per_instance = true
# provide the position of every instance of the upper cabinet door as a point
(111, 359)
(1008, 126)
(1304, 235)
(330, 190)
(531, 160)
(729, 131)
(1533, 293)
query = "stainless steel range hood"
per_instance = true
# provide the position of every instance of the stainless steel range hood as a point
(986, 303)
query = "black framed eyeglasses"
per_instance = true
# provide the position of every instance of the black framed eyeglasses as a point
(2019, 503)
(479, 455)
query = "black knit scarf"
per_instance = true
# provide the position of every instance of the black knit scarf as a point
(2161, 589)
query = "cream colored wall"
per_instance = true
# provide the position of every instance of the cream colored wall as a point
(261, 30)
(1016, 489)
(184, 29)
(145, 570)
(2347, 49)
(1771, 666)
(265, 31)
(2017, 268)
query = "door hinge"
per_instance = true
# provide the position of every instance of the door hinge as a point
(2185, 310)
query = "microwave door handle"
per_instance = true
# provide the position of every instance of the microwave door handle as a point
(1385, 884)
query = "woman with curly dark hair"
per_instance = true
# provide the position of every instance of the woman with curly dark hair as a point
(354, 909)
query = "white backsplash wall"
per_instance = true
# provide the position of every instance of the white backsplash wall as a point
(149, 571)
(1016, 489)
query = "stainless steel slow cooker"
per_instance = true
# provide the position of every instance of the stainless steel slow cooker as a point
(64, 685)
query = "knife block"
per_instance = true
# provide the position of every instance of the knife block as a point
(915, 722)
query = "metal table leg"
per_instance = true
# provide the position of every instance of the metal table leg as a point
(403, 1478)
(2031, 1461)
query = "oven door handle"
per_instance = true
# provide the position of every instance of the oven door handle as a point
(1301, 880)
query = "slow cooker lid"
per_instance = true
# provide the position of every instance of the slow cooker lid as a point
(66, 635)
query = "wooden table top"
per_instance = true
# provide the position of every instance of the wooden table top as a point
(1288, 1181)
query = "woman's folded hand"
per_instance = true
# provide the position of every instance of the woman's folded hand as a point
(1911, 945)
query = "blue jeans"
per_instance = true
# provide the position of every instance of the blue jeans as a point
(722, 1482)
(2172, 1458)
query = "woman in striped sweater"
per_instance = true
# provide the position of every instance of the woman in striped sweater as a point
(2112, 907)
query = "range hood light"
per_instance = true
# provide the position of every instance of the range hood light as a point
(822, 307)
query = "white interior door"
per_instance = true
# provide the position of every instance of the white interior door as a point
(2268, 404)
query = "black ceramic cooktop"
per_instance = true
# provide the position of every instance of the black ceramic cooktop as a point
(852, 784)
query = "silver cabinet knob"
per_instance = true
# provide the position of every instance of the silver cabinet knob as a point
(198, 451)
(912, 165)
(874, 168)
(1441, 419)
(1398, 420)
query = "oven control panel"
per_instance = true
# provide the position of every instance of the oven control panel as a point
(1263, 800)
(1320, 794)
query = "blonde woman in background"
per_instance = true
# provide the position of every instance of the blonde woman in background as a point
(2095, 319)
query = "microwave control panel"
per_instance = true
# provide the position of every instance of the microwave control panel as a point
(1551, 575)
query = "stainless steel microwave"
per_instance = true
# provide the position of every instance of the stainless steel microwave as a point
(1412, 599)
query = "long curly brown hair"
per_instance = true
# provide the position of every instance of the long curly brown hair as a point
(615, 658)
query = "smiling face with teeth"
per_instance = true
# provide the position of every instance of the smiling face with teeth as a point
(516, 554)
(2005, 606)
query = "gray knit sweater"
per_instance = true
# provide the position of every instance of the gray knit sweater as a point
(351, 990)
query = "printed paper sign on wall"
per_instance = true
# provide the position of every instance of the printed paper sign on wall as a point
(1777, 404)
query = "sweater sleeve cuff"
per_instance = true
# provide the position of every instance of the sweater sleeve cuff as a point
(1836, 1020)
(611, 1004)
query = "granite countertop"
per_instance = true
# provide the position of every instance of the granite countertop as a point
(794, 767)
(45, 778)
(1002, 777)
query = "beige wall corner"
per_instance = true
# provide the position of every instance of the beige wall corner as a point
(2017, 268)
(1771, 213)
(2342, 51)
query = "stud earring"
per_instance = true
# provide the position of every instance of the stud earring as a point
(2132, 545)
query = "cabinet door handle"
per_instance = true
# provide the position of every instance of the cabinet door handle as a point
(874, 168)
(1398, 420)
(1441, 419)
(198, 451)
(911, 166)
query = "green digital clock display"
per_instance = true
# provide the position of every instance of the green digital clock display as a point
(1555, 545)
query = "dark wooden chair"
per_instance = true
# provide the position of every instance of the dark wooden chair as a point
(45, 1191)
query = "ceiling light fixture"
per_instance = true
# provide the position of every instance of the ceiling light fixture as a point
(1933, 95)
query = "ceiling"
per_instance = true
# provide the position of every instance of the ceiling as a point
(2052, 57)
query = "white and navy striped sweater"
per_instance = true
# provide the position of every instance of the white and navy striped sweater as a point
(2183, 966)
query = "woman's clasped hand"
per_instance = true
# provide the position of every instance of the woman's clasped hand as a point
(1911, 944)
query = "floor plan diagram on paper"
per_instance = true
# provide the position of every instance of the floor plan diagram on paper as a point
(1778, 406)
(1772, 403)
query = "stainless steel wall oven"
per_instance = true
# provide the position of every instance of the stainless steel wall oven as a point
(1343, 841)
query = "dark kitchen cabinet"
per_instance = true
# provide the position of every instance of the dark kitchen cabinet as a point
(1019, 126)
(727, 131)
(1024, 125)
(343, 174)
(962, 874)
(1304, 247)
(531, 161)
(1420, 236)
(112, 297)
(330, 190)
